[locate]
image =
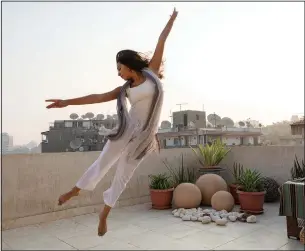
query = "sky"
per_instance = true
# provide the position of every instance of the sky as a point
(240, 60)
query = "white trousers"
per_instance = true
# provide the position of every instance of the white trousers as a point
(113, 151)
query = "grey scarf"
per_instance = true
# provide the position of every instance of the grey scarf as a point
(144, 141)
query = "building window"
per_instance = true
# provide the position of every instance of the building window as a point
(176, 141)
(197, 117)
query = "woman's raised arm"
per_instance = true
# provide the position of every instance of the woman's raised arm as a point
(156, 60)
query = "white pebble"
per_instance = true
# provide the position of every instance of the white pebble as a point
(251, 219)
(200, 219)
(215, 218)
(224, 216)
(206, 211)
(186, 218)
(194, 218)
(221, 222)
(232, 218)
(174, 211)
(177, 214)
(206, 219)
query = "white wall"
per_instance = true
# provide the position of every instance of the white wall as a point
(231, 140)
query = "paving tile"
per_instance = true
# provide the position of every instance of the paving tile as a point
(207, 239)
(177, 230)
(126, 232)
(293, 245)
(140, 227)
(234, 229)
(117, 245)
(257, 240)
(152, 240)
(4, 246)
(39, 242)
(89, 240)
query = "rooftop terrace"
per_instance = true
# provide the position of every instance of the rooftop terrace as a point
(32, 220)
(140, 227)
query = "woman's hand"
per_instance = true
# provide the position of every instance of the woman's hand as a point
(57, 103)
(169, 25)
(156, 60)
(174, 15)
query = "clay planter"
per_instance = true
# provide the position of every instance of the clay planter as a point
(211, 169)
(161, 199)
(251, 202)
(233, 191)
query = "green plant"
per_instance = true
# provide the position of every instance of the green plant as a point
(160, 181)
(211, 155)
(181, 174)
(272, 189)
(251, 181)
(238, 171)
(297, 171)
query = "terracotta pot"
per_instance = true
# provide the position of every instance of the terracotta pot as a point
(252, 202)
(161, 199)
(233, 191)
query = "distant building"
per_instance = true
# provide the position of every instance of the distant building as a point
(62, 132)
(297, 131)
(187, 117)
(174, 137)
(5, 142)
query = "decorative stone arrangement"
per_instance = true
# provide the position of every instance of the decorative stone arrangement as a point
(206, 216)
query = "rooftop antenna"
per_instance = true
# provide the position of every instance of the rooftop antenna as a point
(181, 105)
(171, 116)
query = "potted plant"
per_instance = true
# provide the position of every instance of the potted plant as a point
(161, 191)
(182, 174)
(210, 156)
(238, 170)
(251, 192)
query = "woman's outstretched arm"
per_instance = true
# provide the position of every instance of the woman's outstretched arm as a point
(90, 99)
(156, 60)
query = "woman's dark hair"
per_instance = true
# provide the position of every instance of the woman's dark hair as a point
(135, 60)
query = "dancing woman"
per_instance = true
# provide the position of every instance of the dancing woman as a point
(135, 136)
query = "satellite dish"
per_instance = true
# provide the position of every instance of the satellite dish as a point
(241, 123)
(100, 116)
(192, 125)
(165, 124)
(76, 143)
(214, 119)
(84, 116)
(104, 131)
(209, 125)
(81, 149)
(89, 115)
(115, 116)
(228, 122)
(249, 125)
(73, 116)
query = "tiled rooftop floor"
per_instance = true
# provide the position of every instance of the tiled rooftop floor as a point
(139, 227)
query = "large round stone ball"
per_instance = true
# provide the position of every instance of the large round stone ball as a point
(222, 200)
(187, 195)
(209, 184)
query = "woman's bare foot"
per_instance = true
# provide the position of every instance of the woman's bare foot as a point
(67, 196)
(102, 227)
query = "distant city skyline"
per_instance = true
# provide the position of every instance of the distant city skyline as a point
(237, 59)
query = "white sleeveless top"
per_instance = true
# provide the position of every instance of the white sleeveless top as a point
(144, 91)
(140, 98)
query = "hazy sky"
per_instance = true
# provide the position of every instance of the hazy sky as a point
(237, 59)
